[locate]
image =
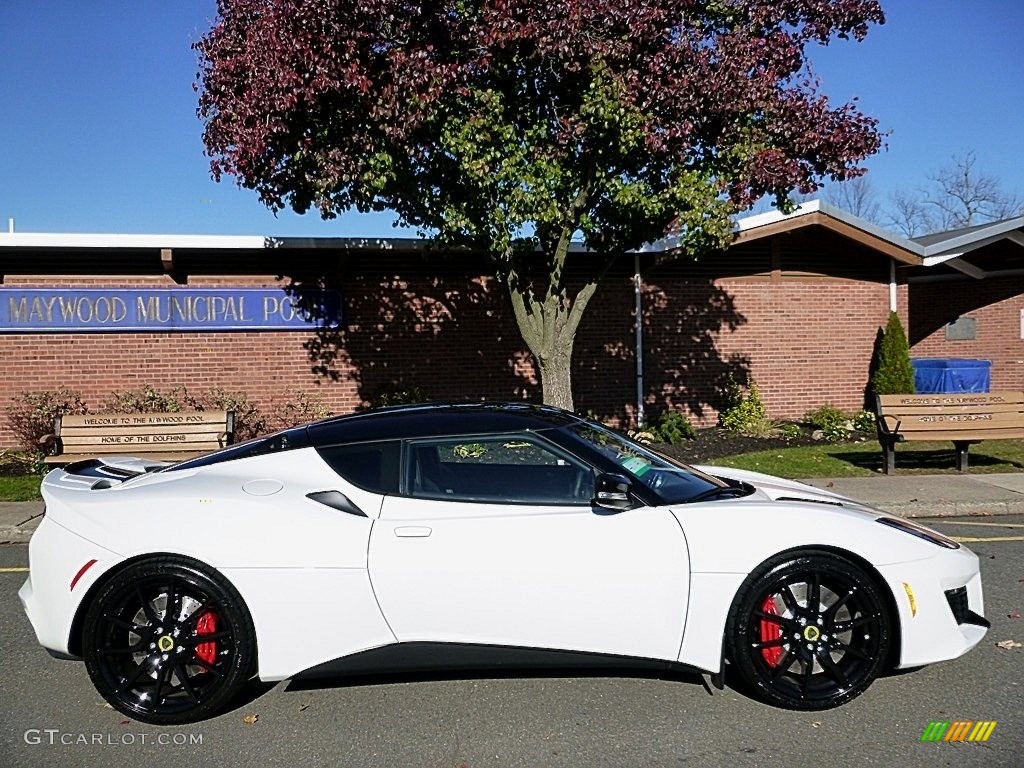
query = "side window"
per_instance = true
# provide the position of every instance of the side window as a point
(506, 470)
(371, 466)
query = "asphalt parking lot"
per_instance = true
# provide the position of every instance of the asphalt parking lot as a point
(50, 714)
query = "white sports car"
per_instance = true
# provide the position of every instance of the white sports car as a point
(449, 535)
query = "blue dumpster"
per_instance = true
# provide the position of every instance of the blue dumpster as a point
(951, 375)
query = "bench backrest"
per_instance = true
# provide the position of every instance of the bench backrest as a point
(148, 433)
(988, 416)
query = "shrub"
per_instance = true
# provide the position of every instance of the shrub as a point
(31, 414)
(298, 411)
(673, 428)
(250, 421)
(864, 421)
(745, 412)
(789, 430)
(145, 399)
(397, 395)
(21, 463)
(894, 374)
(832, 422)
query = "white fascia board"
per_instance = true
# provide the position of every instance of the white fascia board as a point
(1000, 230)
(111, 241)
(770, 217)
(931, 261)
(204, 242)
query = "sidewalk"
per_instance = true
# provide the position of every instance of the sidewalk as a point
(933, 495)
(902, 495)
(18, 519)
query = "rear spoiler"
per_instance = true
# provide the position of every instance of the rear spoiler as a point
(96, 474)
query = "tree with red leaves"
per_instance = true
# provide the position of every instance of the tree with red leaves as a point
(514, 126)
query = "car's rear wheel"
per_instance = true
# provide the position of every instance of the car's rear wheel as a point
(166, 642)
(809, 631)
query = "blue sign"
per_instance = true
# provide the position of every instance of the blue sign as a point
(51, 310)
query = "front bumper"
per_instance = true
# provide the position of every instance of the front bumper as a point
(934, 628)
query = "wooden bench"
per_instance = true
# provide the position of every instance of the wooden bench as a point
(162, 436)
(962, 418)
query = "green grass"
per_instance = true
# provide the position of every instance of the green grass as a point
(863, 459)
(19, 487)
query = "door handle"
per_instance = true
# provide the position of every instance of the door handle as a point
(412, 531)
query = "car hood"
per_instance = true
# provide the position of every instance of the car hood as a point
(780, 489)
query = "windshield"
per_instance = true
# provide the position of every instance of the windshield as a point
(671, 480)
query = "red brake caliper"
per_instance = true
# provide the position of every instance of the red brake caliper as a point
(770, 630)
(207, 625)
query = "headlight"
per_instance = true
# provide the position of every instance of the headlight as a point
(920, 531)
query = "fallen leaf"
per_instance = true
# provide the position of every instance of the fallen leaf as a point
(1006, 645)
(303, 707)
(979, 514)
(816, 724)
(1013, 615)
(126, 722)
(829, 484)
(250, 719)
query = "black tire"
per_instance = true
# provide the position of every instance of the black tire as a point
(809, 631)
(167, 641)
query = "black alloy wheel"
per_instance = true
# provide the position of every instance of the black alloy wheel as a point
(809, 631)
(166, 642)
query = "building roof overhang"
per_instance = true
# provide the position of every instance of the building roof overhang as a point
(949, 248)
(818, 213)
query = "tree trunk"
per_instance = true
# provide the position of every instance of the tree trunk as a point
(549, 327)
(549, 317)
(556, 377)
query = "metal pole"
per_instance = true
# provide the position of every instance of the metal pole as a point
(638, 325)
(892, 285)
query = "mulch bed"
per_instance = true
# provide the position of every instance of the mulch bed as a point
(715, 442)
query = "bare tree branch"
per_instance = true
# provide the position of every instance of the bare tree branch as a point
(962, 195)
(909, 215)
(856, 196)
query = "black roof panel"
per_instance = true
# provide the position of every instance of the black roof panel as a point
(434, 420)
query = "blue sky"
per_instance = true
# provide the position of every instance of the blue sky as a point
(99, 132)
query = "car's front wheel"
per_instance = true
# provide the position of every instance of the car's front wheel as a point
(809, 631)
(167, 642)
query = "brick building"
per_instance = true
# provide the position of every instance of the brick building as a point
(796, 302)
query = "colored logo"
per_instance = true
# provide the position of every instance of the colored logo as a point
(165, 643)
(812, 633)
(959, 730)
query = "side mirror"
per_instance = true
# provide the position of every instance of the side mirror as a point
(611, 491)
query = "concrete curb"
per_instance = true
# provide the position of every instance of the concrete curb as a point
(925, 509)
